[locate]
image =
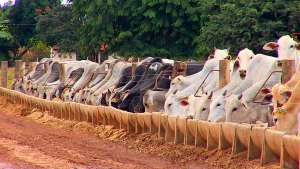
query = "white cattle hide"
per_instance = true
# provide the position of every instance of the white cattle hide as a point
(287, 48)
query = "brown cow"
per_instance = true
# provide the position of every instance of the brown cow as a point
(286, 116)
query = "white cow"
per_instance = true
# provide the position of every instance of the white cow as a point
(51, 88)
(181, 82)
(91, 94)
(182, 87)
(286, 47)
(200, 106)
(242, 109)
(117, 70)
(88, 69)
(249, 91)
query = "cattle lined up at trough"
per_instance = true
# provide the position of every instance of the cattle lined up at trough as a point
(254, 93)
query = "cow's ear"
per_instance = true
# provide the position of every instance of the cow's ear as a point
(266, 90)
(184, 102)
(211, 56)
(109, 91)
(224, 93)
(240, 96)
(296, 36)
(268, 98)
(210, 95)
(179, 79)
(298, 46)
(236, 65)
(270, 46)
(286, 95)
(245, 105)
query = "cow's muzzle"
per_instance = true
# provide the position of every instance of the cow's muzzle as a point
(242, 73)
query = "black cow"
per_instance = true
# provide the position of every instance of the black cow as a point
(125, 78)
(133, 101)
(139, 72)
(164, 78)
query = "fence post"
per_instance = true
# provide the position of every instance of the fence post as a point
(46, 65)
(62, 72)
(288, 69)
(4, 67)
(224, 74)
(20, 69)
(179, 69)
(31, 66)
(133, 69)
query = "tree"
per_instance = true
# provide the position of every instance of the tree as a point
(138, 27)
(6, 38)
(57, 28)
(241, 24)
(97, 24)
(22, 18)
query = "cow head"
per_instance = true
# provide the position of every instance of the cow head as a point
(286, 47)
(217, 108)
(154, 101)
(242, 61)
(175, 85)
(236, 108)
(285, 120)
(267, 96)
(176, 107)
(220, 54)
(199, 106)
(279, 95)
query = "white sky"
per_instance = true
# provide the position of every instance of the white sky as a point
(4, 1)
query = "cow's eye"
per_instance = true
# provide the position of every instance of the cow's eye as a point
(203, 109)
(218, 104)
(251, 57)
(291, 46)
(234, 109)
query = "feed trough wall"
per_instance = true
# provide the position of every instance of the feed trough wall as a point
(259, 142)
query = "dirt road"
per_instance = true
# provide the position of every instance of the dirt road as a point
(27, 143)
(24, 143)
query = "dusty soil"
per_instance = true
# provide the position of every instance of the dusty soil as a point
(32, 139)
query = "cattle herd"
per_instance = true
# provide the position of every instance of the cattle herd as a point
(253, 95)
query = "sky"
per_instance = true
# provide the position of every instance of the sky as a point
(4, 1)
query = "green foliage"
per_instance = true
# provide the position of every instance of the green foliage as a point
(57, 28)
(241, 24)
(138, 27)
(22, 18)
(38, 49)
(6, 38)
(160, 28)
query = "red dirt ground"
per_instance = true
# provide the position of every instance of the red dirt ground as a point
(39, 141)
